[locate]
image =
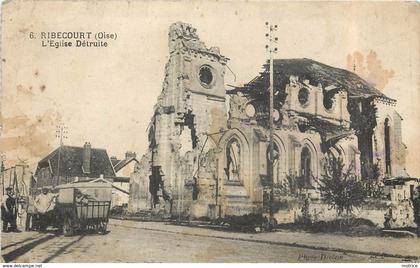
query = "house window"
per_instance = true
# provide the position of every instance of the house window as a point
(387, 147)
(233, 156)
(305, 166)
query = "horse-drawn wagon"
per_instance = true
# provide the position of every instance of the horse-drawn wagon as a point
(76, 206)
(84, 206)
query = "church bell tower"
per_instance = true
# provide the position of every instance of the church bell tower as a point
(190, 106)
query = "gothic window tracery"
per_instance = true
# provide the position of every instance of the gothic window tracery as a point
(303, 96)
(305, 166)
(206, 76)
(276, 154)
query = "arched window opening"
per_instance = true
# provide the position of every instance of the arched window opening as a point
(329, 99)
(387, 147)
(233, 157)
(276, 157)
(352, 156)
(305, 166)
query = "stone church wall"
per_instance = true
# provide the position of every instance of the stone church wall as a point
(386, 111)
(204, 161)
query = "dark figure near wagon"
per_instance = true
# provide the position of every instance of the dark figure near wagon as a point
(9, 211)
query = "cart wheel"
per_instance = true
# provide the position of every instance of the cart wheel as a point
(102, 227)
(67, 226)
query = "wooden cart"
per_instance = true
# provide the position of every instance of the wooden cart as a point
(84, 206)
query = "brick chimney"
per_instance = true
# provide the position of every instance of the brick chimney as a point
(130, 154)
(87, 153)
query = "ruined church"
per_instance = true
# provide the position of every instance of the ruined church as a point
(208, 144)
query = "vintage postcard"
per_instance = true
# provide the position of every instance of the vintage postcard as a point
(210, 132)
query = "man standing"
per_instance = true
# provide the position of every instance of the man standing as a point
(9, 211)
(45, 204)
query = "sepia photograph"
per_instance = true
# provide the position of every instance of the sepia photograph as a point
(210, 132)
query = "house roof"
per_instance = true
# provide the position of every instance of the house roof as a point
(316, 73)
(114, 161)
(122, 179)
(119, 164)
(71, 160)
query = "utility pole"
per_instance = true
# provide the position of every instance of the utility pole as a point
(3, 159)
(22, 184)
(61, 133)
(271, 49)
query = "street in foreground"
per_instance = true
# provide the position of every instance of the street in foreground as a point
(137, 242)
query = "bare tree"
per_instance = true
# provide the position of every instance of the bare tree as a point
(341, 189)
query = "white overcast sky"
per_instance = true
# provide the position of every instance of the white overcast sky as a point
(106, 95)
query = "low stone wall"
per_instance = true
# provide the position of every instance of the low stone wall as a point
(400, 215)
(374, 211)
(290, 210)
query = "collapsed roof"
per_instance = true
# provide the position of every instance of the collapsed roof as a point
(316, 73)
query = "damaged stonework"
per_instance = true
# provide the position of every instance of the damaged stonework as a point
(190, 106)
(139, 197)
(205, 161)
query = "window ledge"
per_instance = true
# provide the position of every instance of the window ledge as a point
(233, 183)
